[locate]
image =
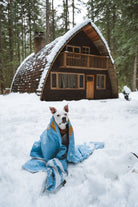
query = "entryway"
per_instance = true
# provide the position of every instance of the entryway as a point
(90, 86)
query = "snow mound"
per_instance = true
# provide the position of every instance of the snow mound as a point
(107, 178)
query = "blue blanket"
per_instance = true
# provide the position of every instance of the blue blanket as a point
(50, 155)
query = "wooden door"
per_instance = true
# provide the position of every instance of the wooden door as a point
(90, 86)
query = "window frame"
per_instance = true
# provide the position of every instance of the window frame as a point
(99, 88)
(73, 48)
(86, 47)
(78, 79)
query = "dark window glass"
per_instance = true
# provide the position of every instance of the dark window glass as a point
(67, 81)
(86, 50)
(81, 81)
(76, 50)
(89, 78)
(70, 49)
(54, 81)
(100, 81)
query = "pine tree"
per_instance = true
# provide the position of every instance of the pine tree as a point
(127, 42)
(47, 22)
(91, 9)
(53, 21)
(1, 49)
(117, 21)
(65, 16)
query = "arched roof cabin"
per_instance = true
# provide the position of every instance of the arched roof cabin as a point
(76, 66)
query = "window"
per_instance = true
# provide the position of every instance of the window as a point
(71, 48)
(85, 50)
(90, 78)
(101, 81)
(54, 80)
(67, 81)
(81, 81)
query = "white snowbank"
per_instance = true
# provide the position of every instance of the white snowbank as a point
(126, 90)
(108, 178)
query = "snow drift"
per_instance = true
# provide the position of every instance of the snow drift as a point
(107, 178)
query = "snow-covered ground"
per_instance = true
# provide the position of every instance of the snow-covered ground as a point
(108, 178)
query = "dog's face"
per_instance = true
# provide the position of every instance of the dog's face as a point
(61, 116)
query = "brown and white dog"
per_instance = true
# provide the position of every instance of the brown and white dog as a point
(61, 119)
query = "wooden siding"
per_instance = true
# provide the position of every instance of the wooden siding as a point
(96, 39)
(58, 95)
(87, 64)
(81, 40)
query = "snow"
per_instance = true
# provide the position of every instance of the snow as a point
(126, 90)
(108, 178)
(30, 57)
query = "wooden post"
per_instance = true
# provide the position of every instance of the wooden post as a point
(65, 56)
(107, 59)
(88, 62)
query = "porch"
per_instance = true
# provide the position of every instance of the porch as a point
(83, 61)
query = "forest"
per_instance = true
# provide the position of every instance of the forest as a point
(21, 19)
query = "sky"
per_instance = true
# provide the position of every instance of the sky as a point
(79, 16)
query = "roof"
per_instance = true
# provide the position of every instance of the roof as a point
(35, 67)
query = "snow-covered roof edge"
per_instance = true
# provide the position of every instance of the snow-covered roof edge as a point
(27, 58)
(62, 41)
(103, 39)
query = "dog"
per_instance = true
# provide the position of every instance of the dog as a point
(61, 119)
(55, 149)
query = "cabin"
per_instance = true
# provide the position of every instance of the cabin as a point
(77, 65)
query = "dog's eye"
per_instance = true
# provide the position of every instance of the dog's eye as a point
(58, 115)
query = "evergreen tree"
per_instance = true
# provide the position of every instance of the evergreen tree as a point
(126, 60)
(1, 47)
(47, 22)
(91, 9)
(117, 21)
(18, 21)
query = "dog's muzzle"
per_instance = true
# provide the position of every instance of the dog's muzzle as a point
(64, 120)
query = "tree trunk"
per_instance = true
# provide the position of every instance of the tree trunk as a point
(18, 47)
(66, 16)
(53, 21)
(134, 73)
(108, 28)
(22, 31)
(47, 22)
(30, 34)
(114, 36)
(10, 24)
(73, 13)
(1, 64)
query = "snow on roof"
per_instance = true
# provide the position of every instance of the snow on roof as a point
(59, 42)
(28, 58)
(49, 52)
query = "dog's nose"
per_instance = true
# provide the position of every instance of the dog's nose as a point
(64, 119)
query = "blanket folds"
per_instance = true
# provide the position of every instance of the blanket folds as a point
(50, 155)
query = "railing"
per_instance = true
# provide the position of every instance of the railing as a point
(78, 60)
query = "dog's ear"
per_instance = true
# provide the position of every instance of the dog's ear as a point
(66, 108)
(53, 110)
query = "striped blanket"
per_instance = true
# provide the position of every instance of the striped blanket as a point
(50, 155)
